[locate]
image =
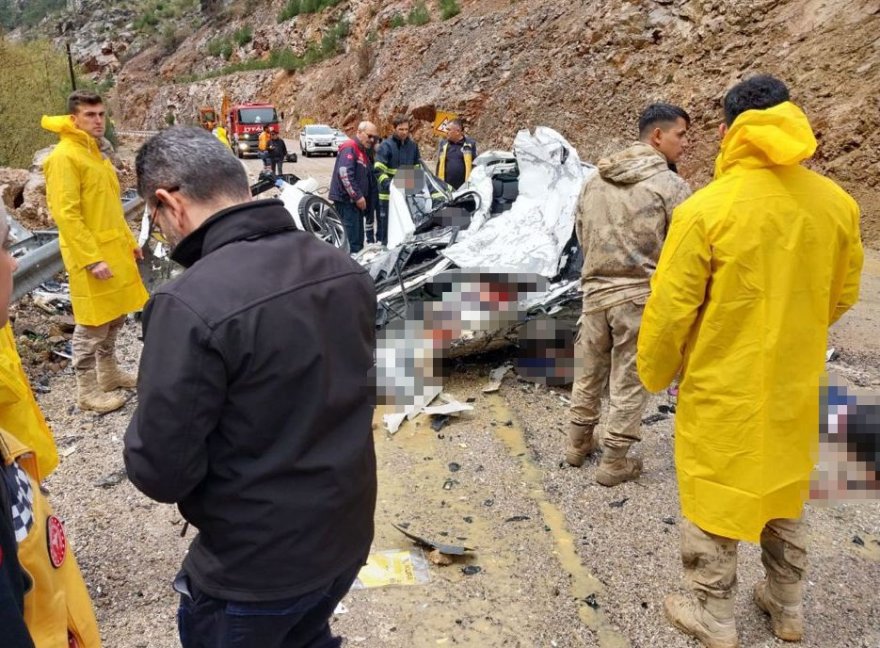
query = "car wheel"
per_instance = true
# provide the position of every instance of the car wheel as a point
(238, 152)
(318, 217)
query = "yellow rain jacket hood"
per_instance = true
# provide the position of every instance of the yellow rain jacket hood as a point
(18, 409)
(756, 267)
(83, 195)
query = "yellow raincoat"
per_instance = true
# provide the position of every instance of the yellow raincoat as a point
(57, 607)
(756, 267)
(18, 409)
(83, 195)
(220, 133)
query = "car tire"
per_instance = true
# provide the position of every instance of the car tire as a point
(320, 218)
(238, 152)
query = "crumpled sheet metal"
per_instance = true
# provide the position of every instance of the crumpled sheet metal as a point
(531, 236)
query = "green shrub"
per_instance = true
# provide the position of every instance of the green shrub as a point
(146, 21)
(396, 21)
(291, 9)
(449, 8)
(33, 82)
(244, 35)
(419, 15)
(215, 46)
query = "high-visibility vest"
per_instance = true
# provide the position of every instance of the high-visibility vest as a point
(467, 150)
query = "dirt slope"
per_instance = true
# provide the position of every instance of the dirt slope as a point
(584, 68)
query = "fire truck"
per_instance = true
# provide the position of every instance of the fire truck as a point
(245, 122)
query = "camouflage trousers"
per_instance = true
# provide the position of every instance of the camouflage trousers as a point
(88, 341)
(605, 353)
(710, 560)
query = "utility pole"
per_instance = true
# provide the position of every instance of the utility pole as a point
(70, 67)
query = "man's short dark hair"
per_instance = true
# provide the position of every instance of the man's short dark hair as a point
(456, 122)
(192, 160)
(79, 98)
(758, 93)
(661, 113)
(400, 119)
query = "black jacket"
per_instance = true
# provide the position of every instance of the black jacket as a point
(277, 150)
(391, 156)
(255, 408)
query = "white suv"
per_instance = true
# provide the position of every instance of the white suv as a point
(317, 138)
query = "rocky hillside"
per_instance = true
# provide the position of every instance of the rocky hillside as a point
(583, 67)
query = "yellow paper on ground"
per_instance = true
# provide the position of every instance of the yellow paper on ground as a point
(393, 567)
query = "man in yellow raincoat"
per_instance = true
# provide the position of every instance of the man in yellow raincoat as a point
(98, 249)
(756, 267)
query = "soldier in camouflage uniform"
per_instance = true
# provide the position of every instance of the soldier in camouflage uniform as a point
(622, 219)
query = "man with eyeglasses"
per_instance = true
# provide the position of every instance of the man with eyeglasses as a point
(254, 403)
(99, 250)
(352, 188)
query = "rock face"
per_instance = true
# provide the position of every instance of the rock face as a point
(585, 69)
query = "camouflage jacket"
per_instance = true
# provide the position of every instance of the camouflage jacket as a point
(622, 218)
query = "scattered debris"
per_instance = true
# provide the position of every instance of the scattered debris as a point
(669, 520)
(439, 421)
(393, 567)
(618, 503)
(518, 518)
(66, 452)
(592, 602)
(439, 558)
(470, 570)
(655, 418)
(496, 377)
(111, 480)
(665, 409)
(488, 502)
(468, 519)
(449, 550)
(857, 540)
(831, 355)
(454, 467)
(449, 483)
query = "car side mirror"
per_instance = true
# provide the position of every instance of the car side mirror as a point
(290, 157)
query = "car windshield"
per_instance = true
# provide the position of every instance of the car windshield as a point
(319, 130)
(257, 116)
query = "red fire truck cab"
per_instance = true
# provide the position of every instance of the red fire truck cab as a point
(246, 122)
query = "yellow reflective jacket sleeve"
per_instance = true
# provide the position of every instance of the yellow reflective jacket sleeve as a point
(64, 196)
(678, 289)
(19, 410)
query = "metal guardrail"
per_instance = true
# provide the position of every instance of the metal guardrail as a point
(41, 259)
(137, 133)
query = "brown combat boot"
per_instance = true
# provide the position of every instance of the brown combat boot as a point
(783, 602)
(581, 443)
(617, 468)
(111, 377)
(90, 397)
(710, 621)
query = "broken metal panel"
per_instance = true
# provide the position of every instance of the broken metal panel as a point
(532, 235)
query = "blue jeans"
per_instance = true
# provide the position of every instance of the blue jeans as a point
(298, 622)
(353, 220)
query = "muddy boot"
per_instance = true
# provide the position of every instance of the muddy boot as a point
(617, 468)
(581, 443)
(783, 602)
(90, 397)
(111, 377)
(710, 621)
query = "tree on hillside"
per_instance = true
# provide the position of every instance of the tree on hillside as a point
(33, 82)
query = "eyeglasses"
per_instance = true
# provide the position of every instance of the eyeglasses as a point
(373, 138)
(155, 232)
